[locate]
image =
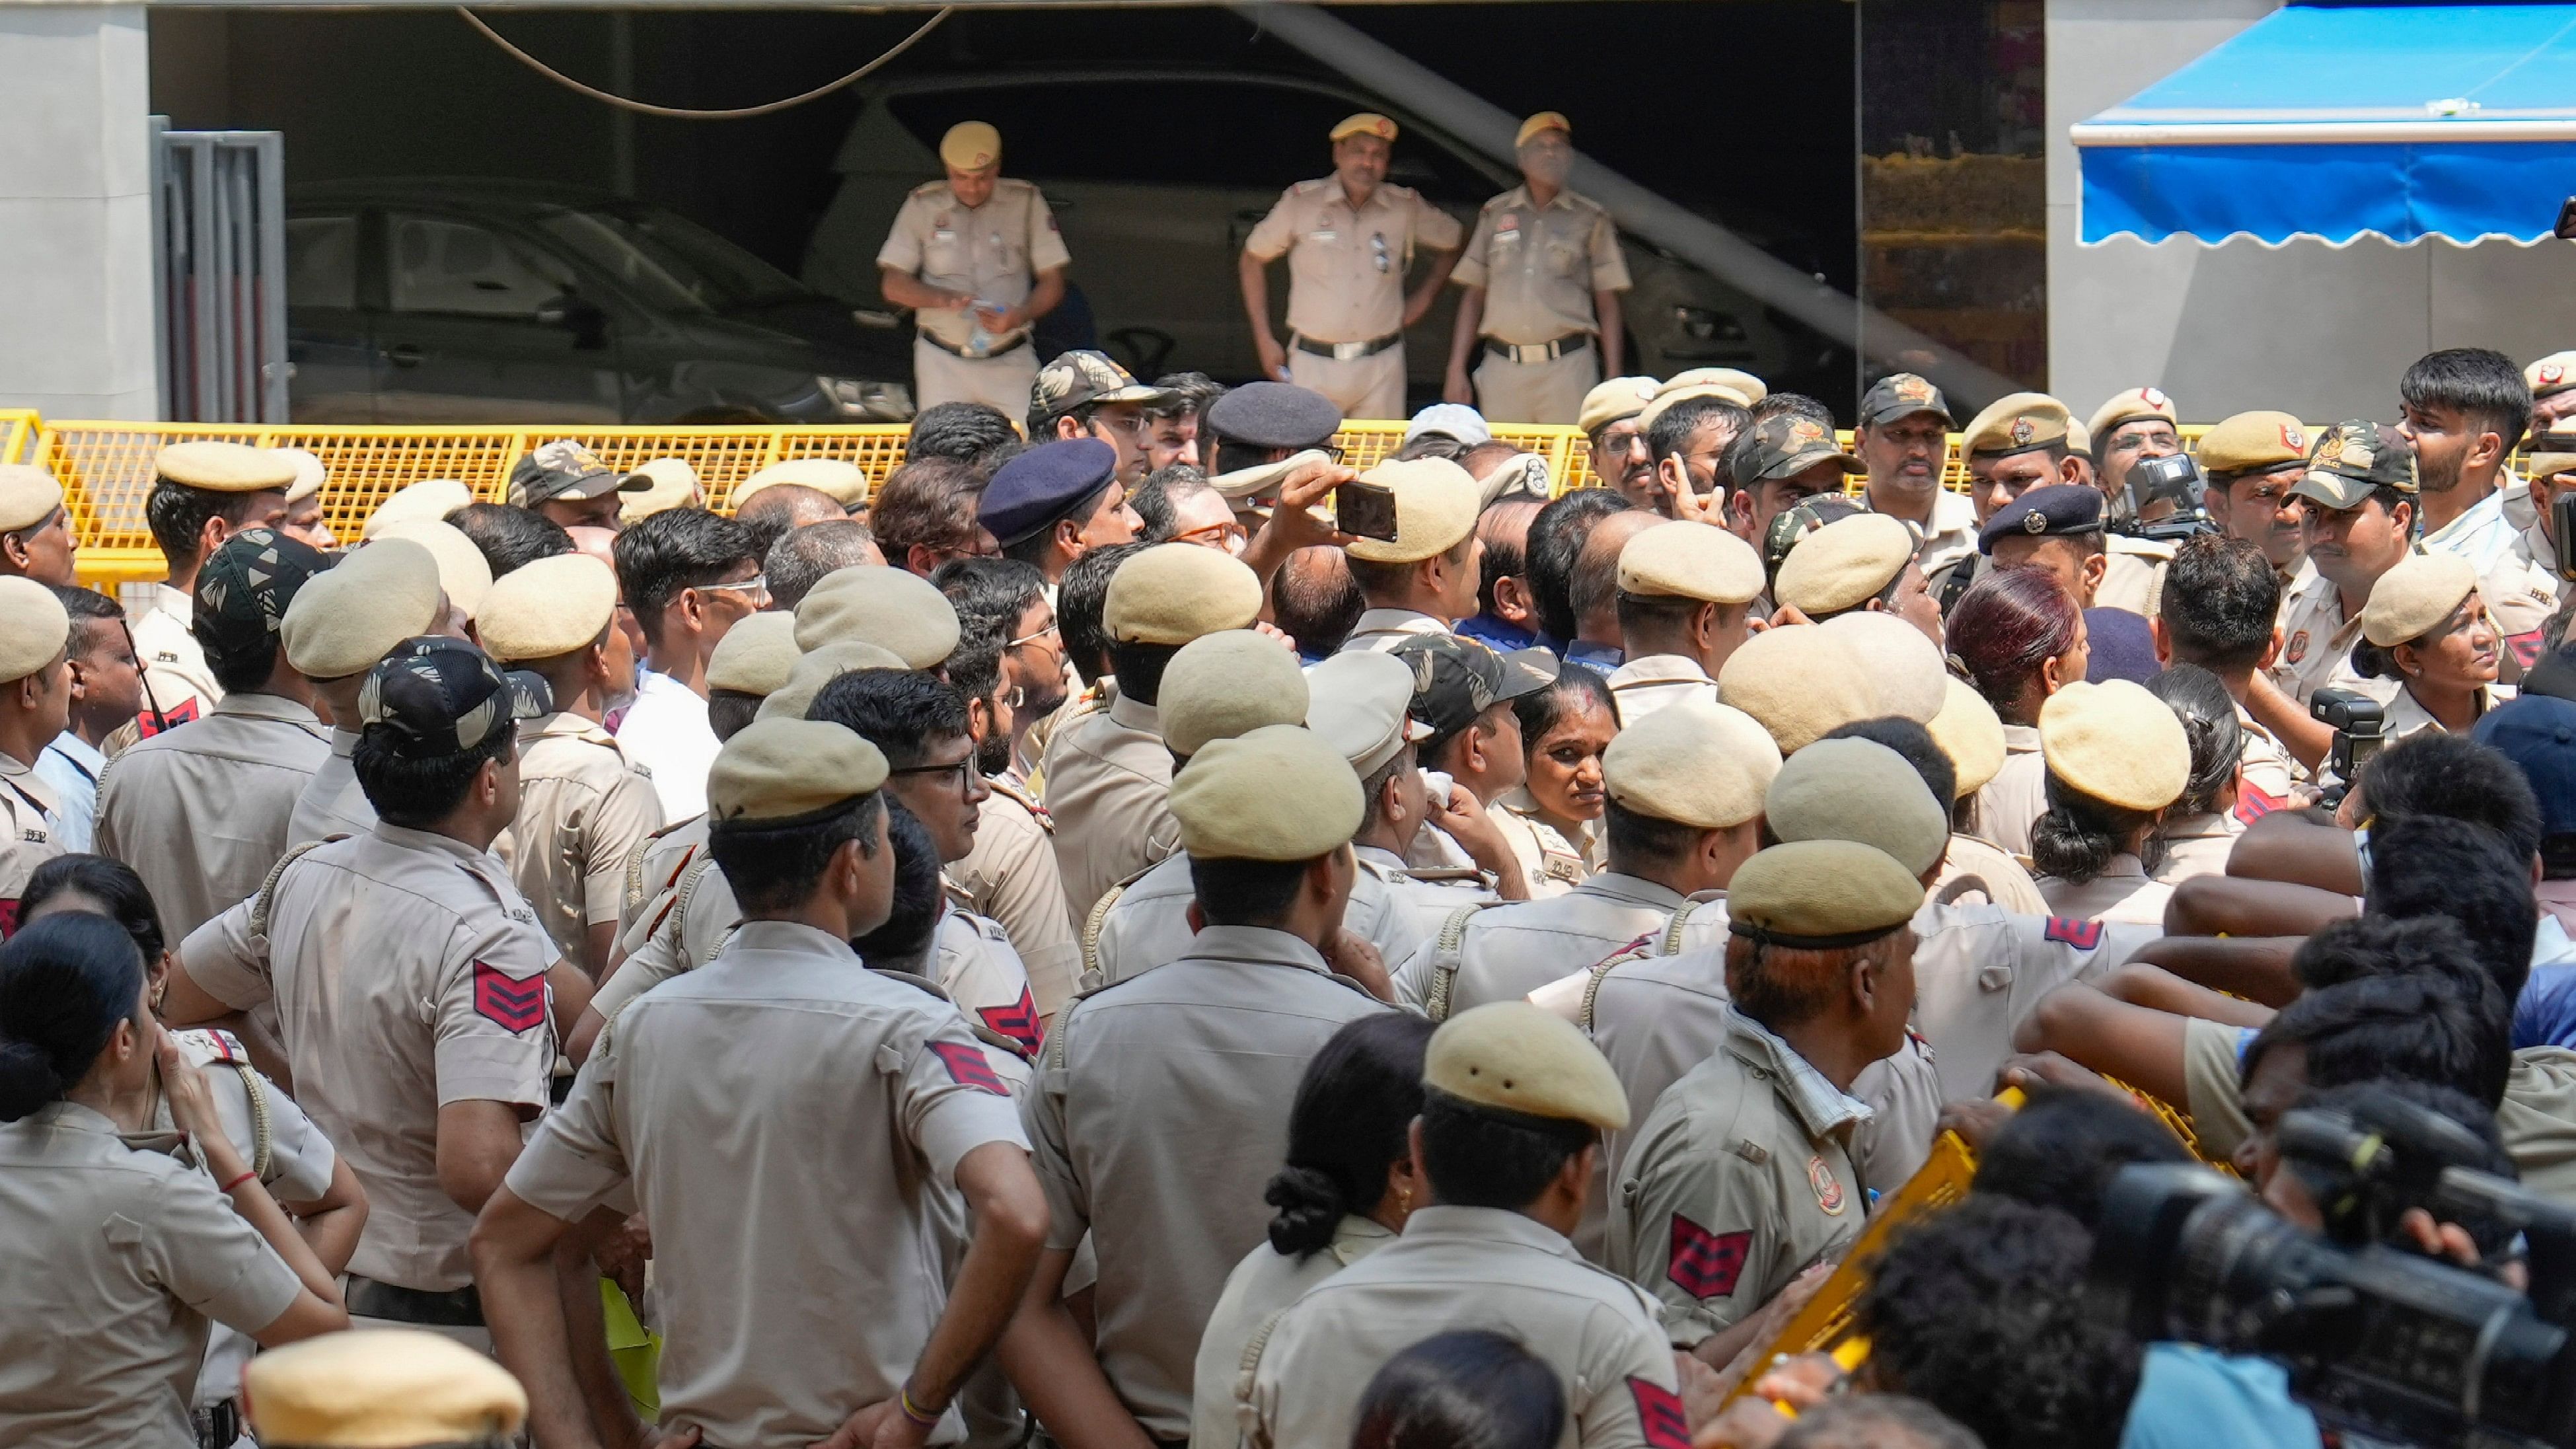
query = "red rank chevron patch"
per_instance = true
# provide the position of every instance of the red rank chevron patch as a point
(2527, 648)
(967, 1067)
(1706, 1264)
(2253, 804)
(1018, 1021)
(1659, 1412)
(508, 1003)
(146, 726)
(2082, 935)
(8, 919)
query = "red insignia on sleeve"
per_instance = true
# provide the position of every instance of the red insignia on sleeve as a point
(8, 919)
(1018, 1021)
(2527, 647)
(2082, 935)
(1659, 1410)
(508, 1003)
(146, 726)
(967, 1067)
(2252, 804)
(1706, 1264)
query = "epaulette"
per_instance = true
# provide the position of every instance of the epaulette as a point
(1447, 875)
(1671, 942)
(1633, 951)
(1099, 917)
(1447, 949)
(208, 1046)
(1024, 799)
(268, 888)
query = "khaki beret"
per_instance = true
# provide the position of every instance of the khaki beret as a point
(1278, 793)
(1436, 503)
(1364, 123)
(1821, 895)
(379, 1388)
(431, 498)
(2016, 423)
(2412, 599)
(675, 485)
(1844, 564)
(346, 619)
(1689, 763)
(818, 667)
(1173, 593)
(2243, 442)
(1970, 732)
(223, 468)
(2078, 441)
(971, 146)
(1361, 702)
(28, 496)
(2552, 374)
(2128, 407)
(887, 607)
(1226, 684)
(2116, 743)
(756, 655)
(1798, 683)
(1723, 383)
(846, 483)
(462, 569)
(1620, 397)
(1522, 1058)
(1900, 662)
(1690, 561)
(35, 628)
(2548, 464)
(789, 769)
(310, 475)
(1540, 125)
(1859, 790)
(546, 607)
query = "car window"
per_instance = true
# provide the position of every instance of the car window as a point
(322, 262)
(676, 264)
(440, 265)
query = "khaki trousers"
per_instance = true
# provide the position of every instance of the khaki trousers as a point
(1535, 392)
(1368, 388)
(1004, 382)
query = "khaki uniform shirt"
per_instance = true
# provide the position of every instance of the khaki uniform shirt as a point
(684, 930)
(2523, 590)
(1540, 265)
(2122, 892)
(1740, 1179)
(704, 1108)
(2407, 718)
(408, 973)
(115, 1259)
(2197, 845)
(1980, 971)
(2316, 642)
(332, 802)
(1998, 877)
(655, 870)
(1108, 775)
(1952, 536)
(1011, 876)
(1465, 1268)
(1380, 630)
(585, 810)
(2017, 795)
(1265, 1282)
(1643, 685)
(1345, 267)
(1513, 950)
(2133, 574)
(203, 811)
(2264, 771)
(175, 674)
(1412, 903)
(1550, 863)
(1156, 1120)
(26, 834)
(991, 252)
(1148, 924)
(974, 964)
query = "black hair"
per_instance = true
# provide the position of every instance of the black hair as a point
(931, 500)
(1373, 789)
(65, 982)
(1785, 985)
(1470, 1388)
(1000, 589)
(900, 711)
(1349, 1122)
(772, 513)
(1476, 1157)
(1542, 710)
(1982, 1311)
(2076, 837)
(2208, 715)
(918, 894)
(1035, 548)
(1246, 892)
(1436, 744)
(1646, 614)
(2445, 774)
(2219, 602)
(971, 433)
(730, 712)
(1504, 526)
(1082, 600)
(240, 668)
(1876, 1421)
(1192, 392)
(2432, 866)
(2416, 1028)
(87, 604)
(2493, 1236)
(1634, 836)
(975, 665)
(176, 514)
(2483, 386)
(2063, 1149)
(1139, 667)
(418, 793)
(1376, 576)
(1915, 745)
(1674, 427)
(110, 883)
(2364, 946)
(1556, 539)
(1314, 599)
(802, 556)
(776, 867)
(511, 537)
(676, 549)
(1157, 500)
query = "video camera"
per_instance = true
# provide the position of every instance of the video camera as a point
(2360, 724)
(2381, 1343)
(2176, 480)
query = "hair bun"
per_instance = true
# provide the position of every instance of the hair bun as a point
(28, 1080)
(1310, 1209)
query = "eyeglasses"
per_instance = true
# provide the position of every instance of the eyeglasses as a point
(957, 767)
(755, 589)
(1051, 631)
(1228, 532)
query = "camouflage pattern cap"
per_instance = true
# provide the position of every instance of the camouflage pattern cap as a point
(1901, 395)
(1081, 378)
(1785, 445)
(2352, 459)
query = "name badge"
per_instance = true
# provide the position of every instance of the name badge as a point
(943, 234)
(1323, 236)
(1507, 235)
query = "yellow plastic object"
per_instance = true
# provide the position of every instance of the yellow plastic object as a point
(636, 1352)
(2179, 1121)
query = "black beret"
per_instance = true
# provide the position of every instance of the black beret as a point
(1273, 415)
(1042, 485)
(2060, 510)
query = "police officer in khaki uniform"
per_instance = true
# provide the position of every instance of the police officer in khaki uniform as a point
(383, 1388)
(2422, 597)
(35, 533)
(2359, 491)
(202, 494)
(1156, 1117)
(1863, 564)
(2131, 428)
(340, 624)
(464, 575)
(204, 811)
(1107, 773)
(1543, 274)
(1350, 239)
(2018, 443)
(1424, 579)
(2114, 745)
(303, 520)
(1491, 1253)
(35, 706)
(584, 808)
(1367, 711)
(410, 978)
(1687, 596)
(699, 1107)
(979, 259)
(1902, 435)
(1971, 734)
(1741, 1177)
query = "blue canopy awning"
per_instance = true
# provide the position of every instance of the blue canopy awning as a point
(2329, 121)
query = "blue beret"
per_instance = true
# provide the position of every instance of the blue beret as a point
(1042, 485)
(2060, 510)
(2538, 733)
(2120, 646)
(1273, 415)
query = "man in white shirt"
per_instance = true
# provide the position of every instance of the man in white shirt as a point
(688, 575)
(107, 691)
(2465, 409)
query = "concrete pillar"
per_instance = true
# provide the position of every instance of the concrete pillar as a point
(75, 212)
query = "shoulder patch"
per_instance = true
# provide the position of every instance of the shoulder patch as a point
(1705, 1264)
(507, 1002)
(967, 1067)
(146, 724)
(1018, 1021)
(2252, 804)
(1660, 1414)
(2082, 935)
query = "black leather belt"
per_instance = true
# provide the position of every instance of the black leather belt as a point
(1014, 345)
(1346, 351)
(218, 1426)
(1538, 352)
(457, 1308)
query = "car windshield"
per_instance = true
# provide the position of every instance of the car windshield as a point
(675, 265)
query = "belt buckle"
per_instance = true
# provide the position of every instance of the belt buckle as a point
(1349, 351)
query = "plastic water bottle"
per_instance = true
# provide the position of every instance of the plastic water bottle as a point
(979, 343)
